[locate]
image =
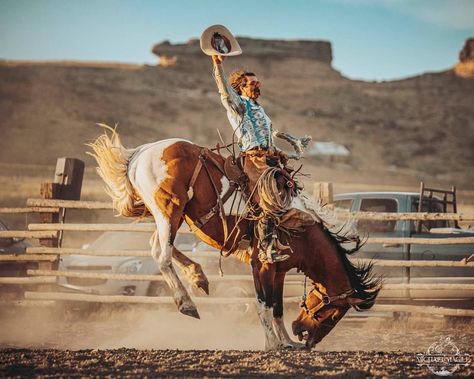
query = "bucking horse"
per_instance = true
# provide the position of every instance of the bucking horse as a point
(176, 181)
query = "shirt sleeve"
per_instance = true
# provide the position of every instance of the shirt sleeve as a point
(230, 99)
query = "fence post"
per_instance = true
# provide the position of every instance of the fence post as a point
(67, 186)
(323, 192)
(49, 191)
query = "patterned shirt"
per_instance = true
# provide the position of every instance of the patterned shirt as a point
(253, 128)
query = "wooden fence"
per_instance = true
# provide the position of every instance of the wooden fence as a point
(46, 258)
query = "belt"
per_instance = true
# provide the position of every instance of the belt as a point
(259, 148)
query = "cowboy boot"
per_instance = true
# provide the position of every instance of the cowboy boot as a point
(273, 255)
(269, 245)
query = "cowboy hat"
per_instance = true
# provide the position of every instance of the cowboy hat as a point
(218, 40)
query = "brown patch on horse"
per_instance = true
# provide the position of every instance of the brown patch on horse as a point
(171, 196)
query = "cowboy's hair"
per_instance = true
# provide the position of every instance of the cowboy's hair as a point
(238, 79)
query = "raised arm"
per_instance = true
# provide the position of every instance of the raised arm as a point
(230, 99)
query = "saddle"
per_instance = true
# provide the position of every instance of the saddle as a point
(232, 168)
(234, 172)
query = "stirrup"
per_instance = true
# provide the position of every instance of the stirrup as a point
(276, 258)
(281, 247)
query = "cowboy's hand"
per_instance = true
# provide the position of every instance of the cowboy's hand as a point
(283, 157)
(218, 59)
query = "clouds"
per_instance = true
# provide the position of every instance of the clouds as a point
(450, 14)
(453, 14)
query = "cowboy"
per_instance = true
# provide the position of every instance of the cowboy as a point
(253, 129)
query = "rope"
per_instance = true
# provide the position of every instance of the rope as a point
(272, 201)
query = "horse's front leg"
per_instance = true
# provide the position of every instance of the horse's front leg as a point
(278, 322)
(263, 276)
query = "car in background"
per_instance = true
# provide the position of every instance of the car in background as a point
(10, 268)
(195, 249)
(12, 245)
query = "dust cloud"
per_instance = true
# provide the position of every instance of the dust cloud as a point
(132, 327)
(109, 327)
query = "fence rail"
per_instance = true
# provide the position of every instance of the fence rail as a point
(28, 257)
(150, 227)
(422, 241)
(61, 296)
(28, 280)
(29, 210)
(72, 204)
(387, 216)
(408, 216)
(146, 253)
(132, 227)
(227, 278)
(27, 234)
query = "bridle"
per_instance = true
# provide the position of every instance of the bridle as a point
(325, 301)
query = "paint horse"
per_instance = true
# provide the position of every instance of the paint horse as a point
(175, 180)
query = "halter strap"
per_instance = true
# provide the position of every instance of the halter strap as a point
(325, 300)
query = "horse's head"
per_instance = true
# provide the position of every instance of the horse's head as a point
(320, 313)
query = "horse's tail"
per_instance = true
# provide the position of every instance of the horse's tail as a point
(113, 158)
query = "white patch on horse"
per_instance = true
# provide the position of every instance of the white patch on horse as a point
(282, 334)
(239, 202)
(266, 317)
(146, 172)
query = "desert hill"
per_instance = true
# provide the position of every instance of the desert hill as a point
(421, 127)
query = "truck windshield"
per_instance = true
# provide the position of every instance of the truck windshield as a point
(377, 205)
(345, 204)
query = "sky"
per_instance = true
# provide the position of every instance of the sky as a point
(371, 39)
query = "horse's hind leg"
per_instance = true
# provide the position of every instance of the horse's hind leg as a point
(167, 227)
(167, 210)
(192, 270)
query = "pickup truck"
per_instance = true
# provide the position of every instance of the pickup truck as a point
(410, 202)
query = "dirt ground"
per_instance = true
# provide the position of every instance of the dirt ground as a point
(145, 342)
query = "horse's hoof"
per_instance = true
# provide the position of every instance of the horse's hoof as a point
(189, 311)
(294, 345)
(203, 285)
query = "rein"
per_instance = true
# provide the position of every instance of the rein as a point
(325, 300)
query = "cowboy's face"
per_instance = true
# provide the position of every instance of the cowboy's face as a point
(251, 88)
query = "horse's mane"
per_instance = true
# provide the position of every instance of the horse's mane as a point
(361, 276)
(326, 216)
